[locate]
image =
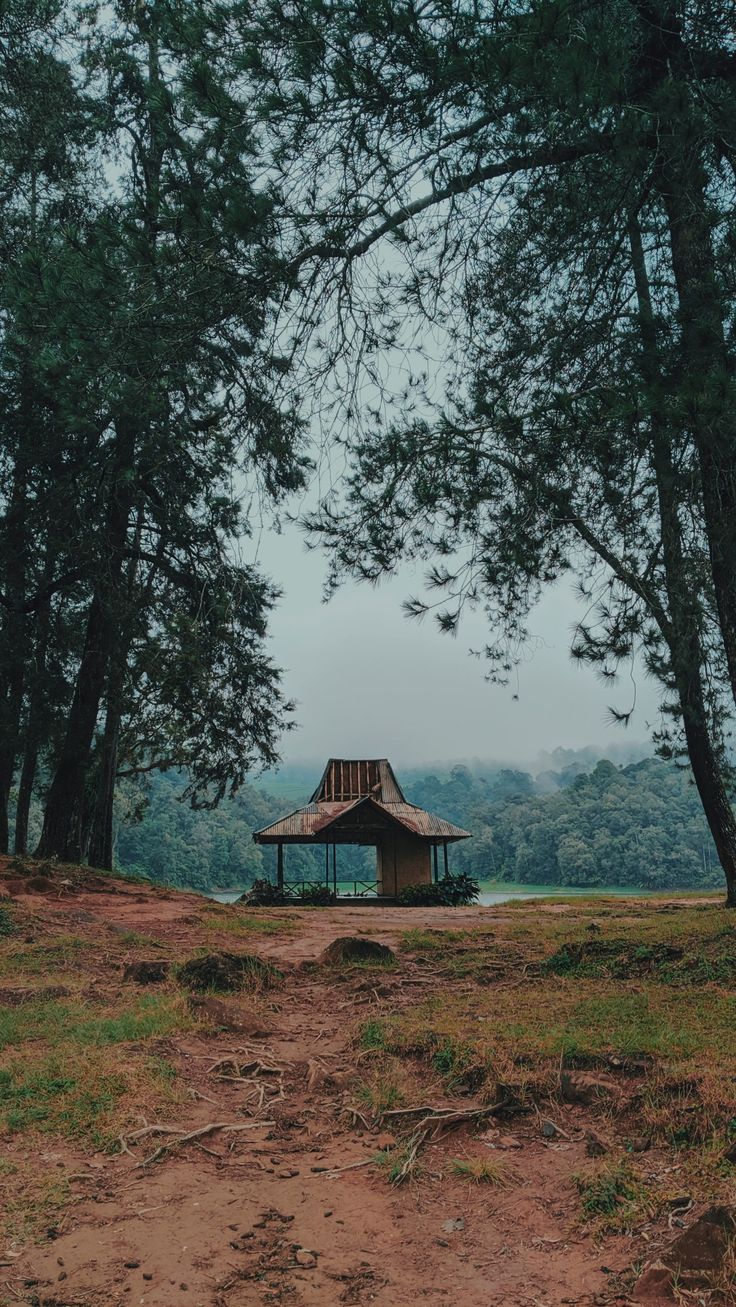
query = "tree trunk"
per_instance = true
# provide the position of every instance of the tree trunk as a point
(25, 794)
(63, 834)
(708, 775)
(100, 853)
(34, 727)
(707, 376)
(683, 634)
(63, 826)
(10, 711)
(13, 647)
(101, 837)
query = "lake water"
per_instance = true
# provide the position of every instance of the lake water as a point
(498, 893)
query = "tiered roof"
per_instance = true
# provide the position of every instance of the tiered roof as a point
(353, 796)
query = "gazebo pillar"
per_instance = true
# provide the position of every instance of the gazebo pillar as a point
(444, 850)
(280, 866)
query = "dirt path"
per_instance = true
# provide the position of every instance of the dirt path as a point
(269, 1214)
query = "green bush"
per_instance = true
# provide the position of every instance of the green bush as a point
(316, 896)
(450, 892)
(264, 894)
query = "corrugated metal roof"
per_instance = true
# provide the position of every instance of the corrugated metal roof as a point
(315, 821)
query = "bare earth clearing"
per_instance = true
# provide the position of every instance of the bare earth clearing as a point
(290, 1202)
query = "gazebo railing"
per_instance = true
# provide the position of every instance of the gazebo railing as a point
(366, 887)
(361, 888)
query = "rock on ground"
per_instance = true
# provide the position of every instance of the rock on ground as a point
(227, 972)
(352, 948)
(694, 1260)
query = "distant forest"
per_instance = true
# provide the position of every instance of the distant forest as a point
(585, 824)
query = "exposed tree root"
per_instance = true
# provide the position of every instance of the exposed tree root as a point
(183, 1137)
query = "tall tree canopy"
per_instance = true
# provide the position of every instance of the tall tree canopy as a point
(547, 186)
(137, 417)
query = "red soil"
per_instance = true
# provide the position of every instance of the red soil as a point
(267, 1215)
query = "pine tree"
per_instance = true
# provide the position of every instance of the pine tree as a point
(143, 317)
(551, 185)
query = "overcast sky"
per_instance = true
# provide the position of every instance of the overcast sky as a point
(371, 683)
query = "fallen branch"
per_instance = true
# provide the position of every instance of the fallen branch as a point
(439, 1116)
(413, 1111)
(352, 1166)
(433, 1126)
(440, 1121)
(187, 1137)
(356, 1117)
(240, 1069)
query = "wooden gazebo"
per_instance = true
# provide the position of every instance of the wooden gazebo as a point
(361, 802)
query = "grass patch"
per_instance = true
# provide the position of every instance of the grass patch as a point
(401, 1163)
(382, 1092)
(81, 1073)
(88, 1095)
(708, 960)
(7, 922)
(48, 959)
(481, 1170)
(463, 953)
(642, 990)
(369, 965)
(613, 1197)
(372, 1035)
(460, 1064)
(132, 939)
(73, 1022)
(238, 923)
(426, 940)
(30, 1204)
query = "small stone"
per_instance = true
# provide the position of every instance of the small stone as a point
(61, 1275)
(549, 1129)
(131, 1265)
(287, 1175)
(595, 1145)
(584, 1088)
(147, 1275)
(305, 1258)
(384, 1141)
(639, 1144)
(508, 1141)
(451, 1226)
(184, 1286)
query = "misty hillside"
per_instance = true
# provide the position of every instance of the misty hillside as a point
(584, 824)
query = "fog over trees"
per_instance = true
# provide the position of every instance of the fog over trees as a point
(221, 227)
(575, 823)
